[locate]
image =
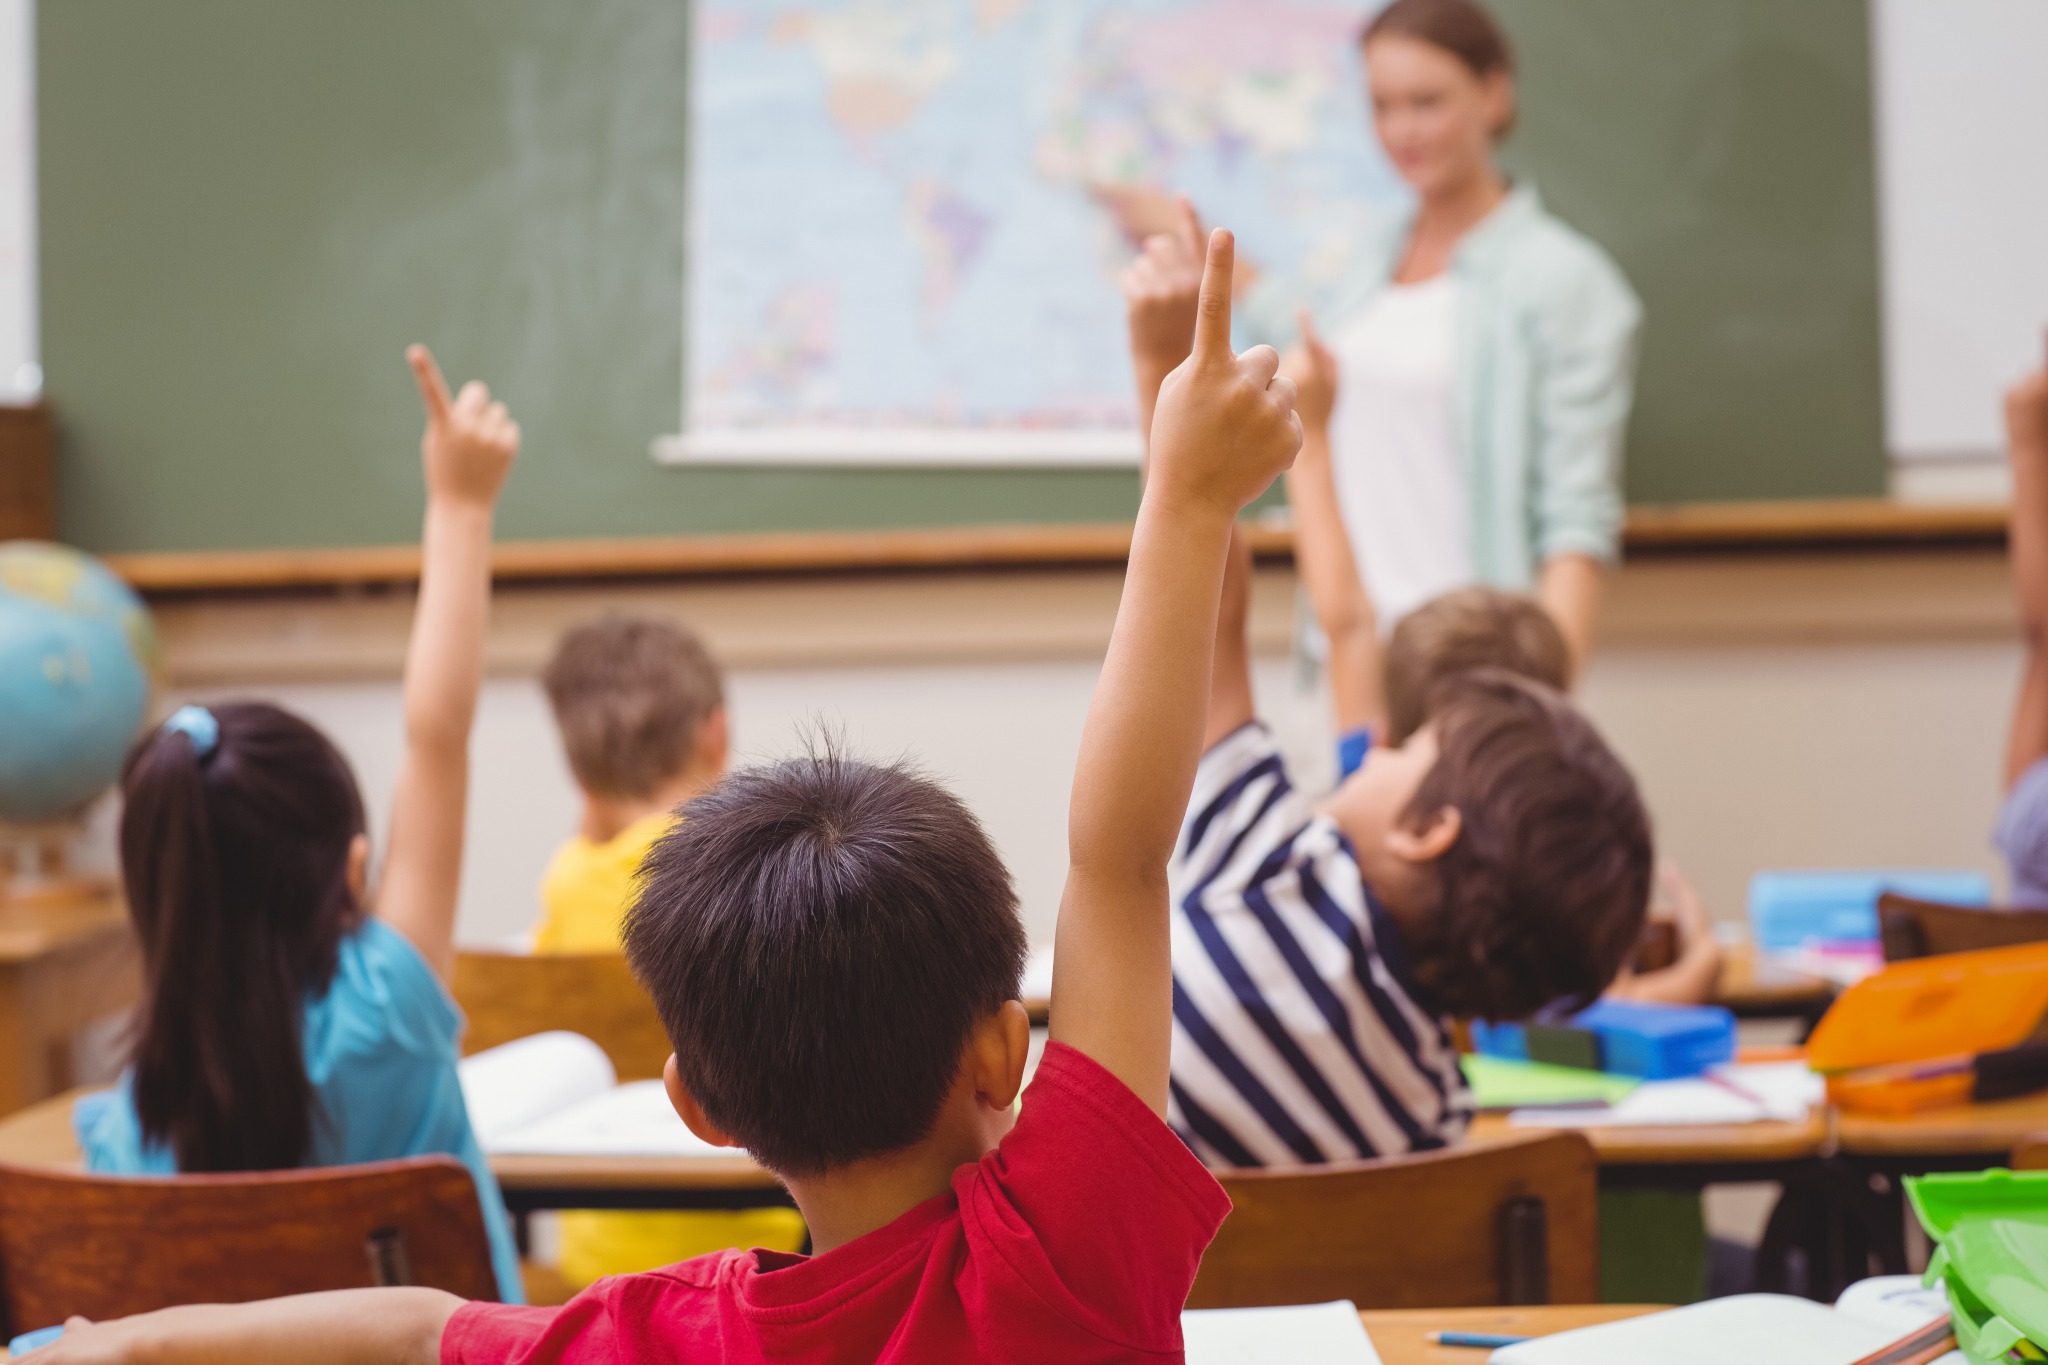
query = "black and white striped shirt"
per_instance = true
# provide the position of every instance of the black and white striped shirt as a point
(1298, 1034)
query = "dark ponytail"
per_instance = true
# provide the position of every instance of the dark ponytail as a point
(236, 863)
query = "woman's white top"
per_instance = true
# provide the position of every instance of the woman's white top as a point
(1400, 483)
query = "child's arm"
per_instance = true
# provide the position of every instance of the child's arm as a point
(1224, 428)
(1696, 974)
(345, 1327)
(1160, 289)
(469, 446)
(2026, 426)
(1322, 547)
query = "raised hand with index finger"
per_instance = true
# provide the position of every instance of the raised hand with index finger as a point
(470, 441)
(1225, 426)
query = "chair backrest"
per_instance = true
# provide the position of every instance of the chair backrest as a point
(1516, 1221)
(515, 995)
(1916, 928)
(2031, 1154)
(107, 1246)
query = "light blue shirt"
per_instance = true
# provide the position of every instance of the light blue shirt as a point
(381, 1046)
(1544, 374)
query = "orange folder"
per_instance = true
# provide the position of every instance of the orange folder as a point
(1955, 1005)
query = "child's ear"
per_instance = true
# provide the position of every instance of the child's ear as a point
(1424, 841)
(997, 1052)
(714, 741)
(687, 1108)
(358, 873)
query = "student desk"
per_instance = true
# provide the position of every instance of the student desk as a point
(1401, 1334)
(1753, 988)
(1694, 1155)
(64, 964)
(534, 1183)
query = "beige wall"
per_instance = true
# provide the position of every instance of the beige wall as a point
(1831, 709)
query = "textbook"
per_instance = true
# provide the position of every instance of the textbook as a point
(555, 1094)
(1307, 1334)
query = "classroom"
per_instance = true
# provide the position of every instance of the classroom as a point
(1328, 681)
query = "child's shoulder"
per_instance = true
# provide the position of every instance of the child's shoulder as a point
(383, 995)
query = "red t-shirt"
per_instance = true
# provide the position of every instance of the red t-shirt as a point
(1075, 1240)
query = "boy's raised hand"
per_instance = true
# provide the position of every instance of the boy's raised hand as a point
(1160, 290)
(1313, 368)
(470, 441)
(1225, 426)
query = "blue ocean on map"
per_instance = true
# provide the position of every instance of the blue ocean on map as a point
(900, 210)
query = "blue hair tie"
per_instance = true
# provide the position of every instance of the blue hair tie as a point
(197, 724)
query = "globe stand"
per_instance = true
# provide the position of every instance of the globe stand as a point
(35, 867)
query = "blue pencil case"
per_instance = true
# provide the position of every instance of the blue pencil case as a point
(1789, 910)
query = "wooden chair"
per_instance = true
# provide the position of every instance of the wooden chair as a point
(108, 1246)
(515, 995)
(1916, 928)
(2031, 1154)
(1512, 1222)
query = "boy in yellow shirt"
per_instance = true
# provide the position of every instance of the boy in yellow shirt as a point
(641, 709)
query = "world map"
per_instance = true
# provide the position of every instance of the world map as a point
(900, 248)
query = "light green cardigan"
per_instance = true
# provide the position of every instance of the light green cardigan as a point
(1545, 355)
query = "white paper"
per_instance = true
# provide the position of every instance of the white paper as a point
(1308, 1334)
(1898, 1303)
(1038, 975)
(634, 1119)
(1773, 1328)
(507, 1087)
(1751, 1093)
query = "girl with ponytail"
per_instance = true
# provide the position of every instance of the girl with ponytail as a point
(292, 1015)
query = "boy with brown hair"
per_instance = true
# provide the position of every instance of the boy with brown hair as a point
(1496, 861)
(640, 705)
(836, 951)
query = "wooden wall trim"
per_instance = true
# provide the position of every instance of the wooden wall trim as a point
(1705, 527)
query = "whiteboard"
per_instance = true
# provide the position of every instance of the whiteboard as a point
(1962, 137)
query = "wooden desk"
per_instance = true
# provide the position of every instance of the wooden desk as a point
(1401, 1334)
(63, 966)
(1755, 988)
(1968, 1135)
(1707, 1145)
(533, 1183)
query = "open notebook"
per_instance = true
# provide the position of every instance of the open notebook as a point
(555, 1094)
(1314, 1334)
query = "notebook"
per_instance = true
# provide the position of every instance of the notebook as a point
(1309, 1334)
(1743, 1093)
(1747, 1327)
(555, 1094)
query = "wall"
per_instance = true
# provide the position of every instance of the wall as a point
(1831, 709)
(20, 347)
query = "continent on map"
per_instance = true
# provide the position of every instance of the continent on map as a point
(882, 58)
(950, 232)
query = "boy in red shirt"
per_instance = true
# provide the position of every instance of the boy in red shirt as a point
(835, 950)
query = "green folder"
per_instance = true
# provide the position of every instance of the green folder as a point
(1499, 1083)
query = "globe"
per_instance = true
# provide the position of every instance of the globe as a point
(77, 657)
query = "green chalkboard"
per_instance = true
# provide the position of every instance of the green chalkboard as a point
(248, 207)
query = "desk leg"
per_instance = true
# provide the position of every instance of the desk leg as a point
(24, 1062)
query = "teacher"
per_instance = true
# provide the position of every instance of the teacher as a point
(1485, 350)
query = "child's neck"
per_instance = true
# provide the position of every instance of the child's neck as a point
(852, 1201)
(607, 817)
